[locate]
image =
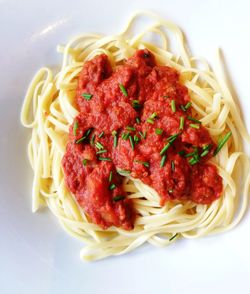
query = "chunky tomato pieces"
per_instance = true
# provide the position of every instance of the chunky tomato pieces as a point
(136, 119)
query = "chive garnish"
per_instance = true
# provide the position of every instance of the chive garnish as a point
(75, 127)
(101, 151)
(151, 118)
(130, 128)
(188, 105)
(137, 120)
(112, 187)
(183, 108)
(92, 140)
(123, 172)
(110, 176)
(173, 137)
(173, 106)
(104, 158)
(143, 135)
(84, 137)
(145, 163)
(124, 91)
(172, 165)
(204, 153)
(173, 237)
(181, 153)
(181, 123)
(84, 162)
(194, 126)
(136, 139)
(118, 198)
(125, 136)
(98, 145)
(222, 143)
(131, 142)
(163, 160)
(150, 121)
(165, 148)
(115, 141)
(101, 135)
(207, 147)
(194, 119)
(136, 104)
(171, 140)
(158, 131)
(87, 96)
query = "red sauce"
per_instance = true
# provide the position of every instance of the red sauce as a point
(144, 104)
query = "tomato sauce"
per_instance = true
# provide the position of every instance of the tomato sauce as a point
(136, 119)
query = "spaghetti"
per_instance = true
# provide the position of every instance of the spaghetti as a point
(49, 109)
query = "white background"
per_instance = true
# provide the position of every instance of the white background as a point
(36, 255)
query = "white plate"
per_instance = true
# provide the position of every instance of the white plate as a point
(36, 255)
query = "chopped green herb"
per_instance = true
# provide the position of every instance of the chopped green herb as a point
(181, 153)
(125, 136)
(165, 96)
(112, 187)
(193, 161)
(165, 148)
(204, 153)
(173, 106)
(143, 135)
(137, 120)
(171, 140)
(173, 237)
(222, 142)
(101, 135)
(150, 121)
(87, 96)
(194, 119)
(115, 141)
(183, 108)
(131, 142)
(207, 147)
(151, 118)
(136, 104)
(188, 105)
(172, 165)
(104, 158)
(99, 145)
(153, 115)
(194, 126)
(145, 163)
(114, 133)
(163, 160)
(110, 176)
(173, 137)
(75, 127)
(124, 91)
(92, 140)
(130, 128)
(84, 162)
(123, 172)
(158, 131)
(84, 137)
(136, 139)
(181, 123)
(101, 151)
(118, 198)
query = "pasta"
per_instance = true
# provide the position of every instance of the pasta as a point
(49, 110)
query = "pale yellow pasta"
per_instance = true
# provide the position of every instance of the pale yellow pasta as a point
(49, 109)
